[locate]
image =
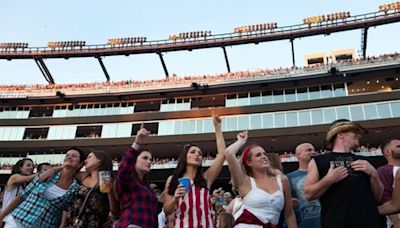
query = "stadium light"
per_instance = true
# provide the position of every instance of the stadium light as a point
(327, 17)
(388, 7)
(255, 28)
(189, 35)
(63, 44)
(127, 40)
(13, 45)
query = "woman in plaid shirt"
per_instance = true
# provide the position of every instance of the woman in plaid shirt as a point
(41, 204)
(138, 203)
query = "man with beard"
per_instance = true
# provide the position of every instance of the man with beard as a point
(387, 173)
(346, 184)
(307, 212)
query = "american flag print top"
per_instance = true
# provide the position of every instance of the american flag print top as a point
(194, 209)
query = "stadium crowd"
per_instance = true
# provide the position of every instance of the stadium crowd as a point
(174, 80)
(327, 190)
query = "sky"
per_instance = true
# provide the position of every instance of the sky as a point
(95, 21)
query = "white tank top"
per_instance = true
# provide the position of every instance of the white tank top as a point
(9, 196)
(265, 206)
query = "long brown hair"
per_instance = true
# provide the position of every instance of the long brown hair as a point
(199, 180)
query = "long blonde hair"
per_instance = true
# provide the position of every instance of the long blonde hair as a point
(246, 156)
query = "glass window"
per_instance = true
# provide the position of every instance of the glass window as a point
(199, 126)
(192, 126)
(343, 113)
(338, 90)
(255, 98)
(290, 95)
(231, 100)
(304, 118)
(178, 127)
(317, 117)
(243, 99)
(268, 120)
(314, 93)
(280, 120)
(255, 122)
(278, 96)
(395, 109)
(291, 119)
(326, 91)
(208, 125)
(329, 115)
(243, 123)
(370, 111)
(266, 97)
(384, 110)
(356, 112)
(185, 127)
(231, 123)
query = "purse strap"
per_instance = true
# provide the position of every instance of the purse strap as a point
(84, 202)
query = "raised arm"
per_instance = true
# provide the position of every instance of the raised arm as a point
(18, 179)
(127, 165)
(314, 187)
(239, 178)
(212, 173)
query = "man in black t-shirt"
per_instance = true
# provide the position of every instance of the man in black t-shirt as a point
(347, 185)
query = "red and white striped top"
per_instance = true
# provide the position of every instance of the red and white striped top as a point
(194, 210)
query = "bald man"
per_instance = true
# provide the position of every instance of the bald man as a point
(307, 212)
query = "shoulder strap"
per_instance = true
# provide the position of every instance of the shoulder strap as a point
(84, 202)
(279, 180)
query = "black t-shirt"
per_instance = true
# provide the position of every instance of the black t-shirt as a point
(350, 202)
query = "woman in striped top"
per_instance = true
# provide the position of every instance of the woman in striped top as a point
(193, 208)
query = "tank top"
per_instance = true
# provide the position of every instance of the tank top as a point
(10, 196)
(194, 209)
(342, 202)
(265, 206)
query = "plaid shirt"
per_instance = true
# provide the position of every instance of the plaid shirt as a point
(38, 211)
(137, 201)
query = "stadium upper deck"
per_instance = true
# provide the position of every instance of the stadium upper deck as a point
(281, 107)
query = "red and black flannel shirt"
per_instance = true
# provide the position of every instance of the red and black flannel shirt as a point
(138, 203)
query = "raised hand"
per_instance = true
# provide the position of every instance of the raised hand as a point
(242, 137)
(216, 120)
(141, 134)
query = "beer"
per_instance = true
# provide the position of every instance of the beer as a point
(103, 176)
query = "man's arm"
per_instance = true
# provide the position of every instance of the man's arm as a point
(392, 206)
(314, 187)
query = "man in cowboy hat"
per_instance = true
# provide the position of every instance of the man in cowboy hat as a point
(346, 184)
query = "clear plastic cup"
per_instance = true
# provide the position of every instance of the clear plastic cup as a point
(103, 175)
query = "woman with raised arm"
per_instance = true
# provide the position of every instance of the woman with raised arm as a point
(138, 203)
(41, 203)
(21, 174)
(192, 204)
(265, 191)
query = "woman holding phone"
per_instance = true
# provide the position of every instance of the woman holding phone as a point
(187, 190)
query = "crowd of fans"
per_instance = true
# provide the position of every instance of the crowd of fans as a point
(169, 163)
(174, 80)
